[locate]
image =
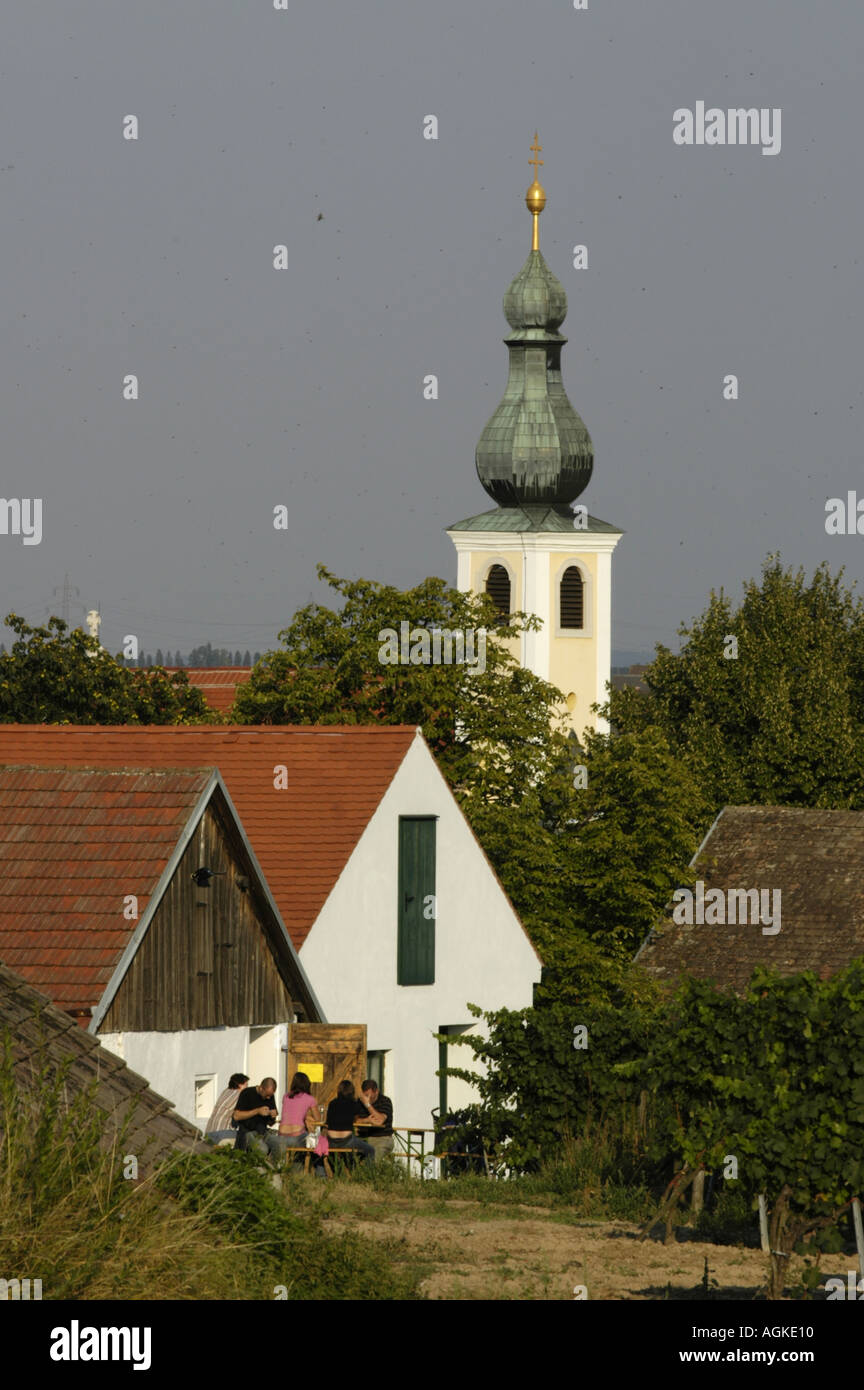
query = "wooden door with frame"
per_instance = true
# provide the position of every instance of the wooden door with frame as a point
(328, 1053)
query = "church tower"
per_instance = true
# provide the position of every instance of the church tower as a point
(535, 551)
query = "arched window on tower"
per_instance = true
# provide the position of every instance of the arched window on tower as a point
(498, 589)
(572, 598)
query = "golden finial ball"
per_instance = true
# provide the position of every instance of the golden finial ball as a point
(535, 198)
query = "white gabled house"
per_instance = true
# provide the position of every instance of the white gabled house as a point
(417, 926)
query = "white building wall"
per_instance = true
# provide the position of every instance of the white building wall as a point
(482, 954)
(171, 1061)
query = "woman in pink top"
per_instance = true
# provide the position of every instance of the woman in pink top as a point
(298, 1108)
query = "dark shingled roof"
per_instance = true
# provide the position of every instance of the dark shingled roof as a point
(44, 1038)
(815, 858)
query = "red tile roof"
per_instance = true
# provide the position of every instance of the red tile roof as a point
(73, 844)
(218, 684)
(302, 836)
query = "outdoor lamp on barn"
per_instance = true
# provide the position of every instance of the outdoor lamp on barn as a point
(203, 876)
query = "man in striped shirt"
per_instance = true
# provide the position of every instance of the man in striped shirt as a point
(219, 1125)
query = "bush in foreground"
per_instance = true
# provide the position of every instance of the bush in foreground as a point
(200, 1226)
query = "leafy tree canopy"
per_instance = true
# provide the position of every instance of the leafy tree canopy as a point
(783, 721)
(597, 861)
(54, 675)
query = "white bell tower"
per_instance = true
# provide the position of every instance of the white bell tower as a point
(536, 552)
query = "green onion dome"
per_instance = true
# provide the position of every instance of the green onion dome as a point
(535, 448)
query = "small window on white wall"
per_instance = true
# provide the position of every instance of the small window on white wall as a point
(376, 1069)
(205, 1096)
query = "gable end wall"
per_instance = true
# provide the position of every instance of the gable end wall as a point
(204, 961)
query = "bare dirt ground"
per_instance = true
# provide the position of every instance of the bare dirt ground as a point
(471, 1250)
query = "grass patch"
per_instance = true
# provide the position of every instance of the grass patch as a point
(557, 1185)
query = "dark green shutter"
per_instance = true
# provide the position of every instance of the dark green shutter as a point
(415, 956)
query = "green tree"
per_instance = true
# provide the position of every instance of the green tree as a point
(548, 1073)
(598, 861)
(783, 721)
(54, 675)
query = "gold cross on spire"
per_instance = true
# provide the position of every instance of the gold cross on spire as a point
(535, 197)
(536, 148)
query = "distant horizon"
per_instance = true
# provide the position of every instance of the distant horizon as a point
(621, 660)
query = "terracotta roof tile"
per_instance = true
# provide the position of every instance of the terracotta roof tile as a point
(218, 684)
(302, 836)
(61, 893)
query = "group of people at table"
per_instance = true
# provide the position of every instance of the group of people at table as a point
(247, 1115)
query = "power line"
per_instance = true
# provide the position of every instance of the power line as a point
(67, 590)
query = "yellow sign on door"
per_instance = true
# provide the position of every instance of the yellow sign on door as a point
(314, 1070)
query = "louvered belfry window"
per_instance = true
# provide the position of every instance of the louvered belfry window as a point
(572, 598)
(498, 589)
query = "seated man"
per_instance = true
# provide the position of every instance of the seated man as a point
(219, 1125)
(255, 1111)
(341, 1114)
(380, 1110)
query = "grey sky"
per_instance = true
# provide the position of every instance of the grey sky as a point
(304, 387)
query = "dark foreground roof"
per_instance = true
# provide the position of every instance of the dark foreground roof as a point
(43, 1038)
(815, 858)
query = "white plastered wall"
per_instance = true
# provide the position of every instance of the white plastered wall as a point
(171, 1061)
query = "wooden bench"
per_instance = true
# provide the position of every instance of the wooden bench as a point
(351, 1153)
(308, 1154)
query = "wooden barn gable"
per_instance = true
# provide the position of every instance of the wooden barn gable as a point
(103, 907)
(212, 953)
